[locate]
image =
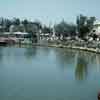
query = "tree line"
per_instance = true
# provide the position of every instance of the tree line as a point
(81, 28)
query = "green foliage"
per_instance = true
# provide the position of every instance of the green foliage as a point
(46, 29)
(65, 29)
(16, 21)
(8, 23)
(38, 24)
(84, 25)
(25, 22)
(21, 28)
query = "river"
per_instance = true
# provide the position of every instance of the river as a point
(42, 73)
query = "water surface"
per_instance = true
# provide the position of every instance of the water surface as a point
(42, 73)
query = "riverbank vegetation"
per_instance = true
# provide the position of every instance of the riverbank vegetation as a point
(81, 28)
(65, 34)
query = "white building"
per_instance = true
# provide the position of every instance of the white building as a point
(96, 28)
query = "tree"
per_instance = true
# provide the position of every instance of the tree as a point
(1, 21)
(90, 22)
(8, 23)
(72, 30)
(21, 28)
(61, 28)
(25, 23)
(46, 29)
(32, 29)
(81, 25)
(65, 29)
(2, 28)
(38, 24)
(84, 25)
(16, 21)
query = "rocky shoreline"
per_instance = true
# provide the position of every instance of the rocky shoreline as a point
(69, 47)
(94, 47)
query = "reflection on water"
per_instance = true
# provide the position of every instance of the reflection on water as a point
(39, 73)
(64, 57)
(98, 63)
(30, 52)
(81, 62)
(81, 67)
(0, 53)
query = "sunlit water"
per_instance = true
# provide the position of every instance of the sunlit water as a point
(41, 73)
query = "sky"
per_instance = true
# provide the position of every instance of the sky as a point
(49, 11)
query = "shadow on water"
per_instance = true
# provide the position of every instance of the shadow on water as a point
(30, 52)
